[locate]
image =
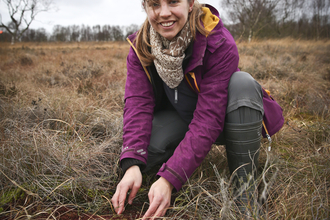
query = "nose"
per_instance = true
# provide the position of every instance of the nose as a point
(164, 10)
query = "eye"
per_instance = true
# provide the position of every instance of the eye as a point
(173, 2)
(154, 4)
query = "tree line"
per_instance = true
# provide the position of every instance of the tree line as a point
(74, 33)
(306, 19)
(245, 19)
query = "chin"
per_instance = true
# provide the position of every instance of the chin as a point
(169, 36)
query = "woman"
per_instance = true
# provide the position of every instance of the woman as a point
(183, 88)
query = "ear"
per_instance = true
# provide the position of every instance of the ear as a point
(191, 5)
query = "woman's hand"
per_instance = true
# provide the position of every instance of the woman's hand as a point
(132, 180)
(159, 198)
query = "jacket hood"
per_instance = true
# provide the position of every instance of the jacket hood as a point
(211, 18)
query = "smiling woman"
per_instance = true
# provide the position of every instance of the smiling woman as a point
(168, 18)
(183, 93)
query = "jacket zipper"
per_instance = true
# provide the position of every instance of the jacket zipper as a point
(176, 95)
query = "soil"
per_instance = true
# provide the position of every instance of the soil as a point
(65, 213)
(70, 213)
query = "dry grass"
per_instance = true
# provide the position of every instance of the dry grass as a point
(61, 126)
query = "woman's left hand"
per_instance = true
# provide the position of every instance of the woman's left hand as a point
(159, 198)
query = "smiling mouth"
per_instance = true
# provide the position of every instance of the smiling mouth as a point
(167, 24)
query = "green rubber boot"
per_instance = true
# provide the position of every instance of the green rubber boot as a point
(242, 146)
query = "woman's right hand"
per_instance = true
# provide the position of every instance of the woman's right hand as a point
(132, 180)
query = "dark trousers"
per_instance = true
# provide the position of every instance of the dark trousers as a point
(242, 131)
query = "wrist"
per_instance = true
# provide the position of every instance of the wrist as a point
(167, 183)
(134, 168)
(128, 162)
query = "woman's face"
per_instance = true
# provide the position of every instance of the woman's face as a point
(168, 17)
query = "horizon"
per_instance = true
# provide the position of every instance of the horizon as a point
(83, 12)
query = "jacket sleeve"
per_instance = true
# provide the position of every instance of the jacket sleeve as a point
(209, 116)
(138, 111)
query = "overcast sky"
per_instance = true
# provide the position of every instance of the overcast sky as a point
(92, 12)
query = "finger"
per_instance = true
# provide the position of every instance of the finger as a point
(151, 197)
(121, 200)
(152, 209)
(114, 200)
(160, 212)
(164, 212)
(133, 194)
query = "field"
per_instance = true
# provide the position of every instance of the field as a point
(61, 125)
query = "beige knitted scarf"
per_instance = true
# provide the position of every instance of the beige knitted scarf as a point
(169, 55)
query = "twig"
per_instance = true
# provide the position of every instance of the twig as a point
(109, 203)
(59, 186)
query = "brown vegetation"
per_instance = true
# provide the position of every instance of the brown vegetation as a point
(61, 125)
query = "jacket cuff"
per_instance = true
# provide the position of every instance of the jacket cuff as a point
(128, 162)
(172, 176)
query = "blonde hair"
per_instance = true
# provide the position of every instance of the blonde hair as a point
(142, 38)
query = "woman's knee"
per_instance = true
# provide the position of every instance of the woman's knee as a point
(244, 90)
(243, 83)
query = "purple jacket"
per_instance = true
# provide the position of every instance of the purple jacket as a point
(214, 59)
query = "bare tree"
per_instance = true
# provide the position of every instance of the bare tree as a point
(74, 33)
(22, 13)
(97, 33)
(131, 29)
(117, 33)
(106, 29)
(321, 9)
(254, 15)
(290, 9)
(288, 13)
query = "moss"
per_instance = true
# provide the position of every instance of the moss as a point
(10, 196)
(91, 193)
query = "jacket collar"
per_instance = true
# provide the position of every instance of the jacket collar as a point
(212, 23)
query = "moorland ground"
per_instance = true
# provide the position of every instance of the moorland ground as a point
(61, 124)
